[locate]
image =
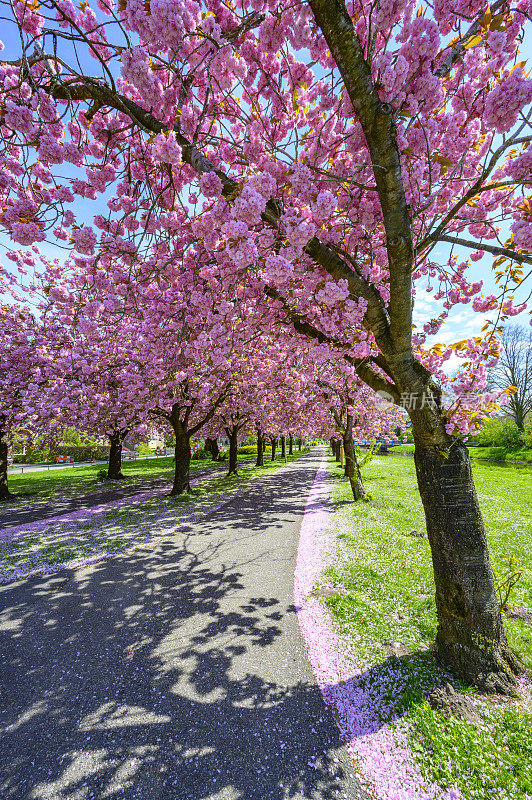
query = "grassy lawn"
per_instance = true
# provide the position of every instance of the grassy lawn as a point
(389, 610)
(487, 453)
(119, 526)
(71, 481)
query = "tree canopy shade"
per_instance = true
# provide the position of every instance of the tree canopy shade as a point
(312, 156)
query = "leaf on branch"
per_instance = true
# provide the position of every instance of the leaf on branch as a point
(445, 163)
(472, 41)
(498, 23)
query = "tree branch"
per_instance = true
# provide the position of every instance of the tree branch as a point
(362, 367)
(489, 248)
(376, 119)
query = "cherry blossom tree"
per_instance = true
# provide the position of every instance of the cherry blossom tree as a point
(357, 413)
(337, 148)
(24, 359)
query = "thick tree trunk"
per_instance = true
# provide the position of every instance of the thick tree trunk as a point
(260, 449)
(211, 446)
(233, 450)
(114, 471)
(5, 494)
(337, 449)
(351, 463)
(290, 445)
(182, 463)
(470, 639)
(283, 447)
(273, 442)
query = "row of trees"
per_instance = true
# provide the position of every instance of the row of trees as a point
(305, 167)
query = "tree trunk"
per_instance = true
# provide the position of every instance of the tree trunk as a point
(211, 446)
(519, 416)
(283, 447)
(5, 494)
(114, 471)
(337, 449)
(273, 441)
(233, 450)
(470, 639)
(290, 445)
(299, 443)
(351, 463)
(260, 449)
(182, 463)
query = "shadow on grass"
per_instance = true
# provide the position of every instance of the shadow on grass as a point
(387, 691)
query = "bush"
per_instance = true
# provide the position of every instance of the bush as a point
(33, 455)
(526, 436)
(143, 450)
(499, 432)
(200, 454)
(36, 455)
(248, 449)
(496, 454)
(82, 453)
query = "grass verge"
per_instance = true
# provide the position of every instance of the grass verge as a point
(46, 485)
(484, 453)
(388, 621)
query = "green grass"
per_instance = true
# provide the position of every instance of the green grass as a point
(49, 484)
(388, 575)
(485, 453)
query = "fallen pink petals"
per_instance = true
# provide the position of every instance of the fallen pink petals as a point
(386, 765)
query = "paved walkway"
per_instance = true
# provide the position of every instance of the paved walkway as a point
(175, 672)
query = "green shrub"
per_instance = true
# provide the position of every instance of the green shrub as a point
(526, 436)
(248, 449)
(499, 432)
(143, 449)
(200, 454)
(497, 454)
(33, 455)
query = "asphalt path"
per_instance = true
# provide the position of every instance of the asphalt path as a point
(10, 514)
(173, 672)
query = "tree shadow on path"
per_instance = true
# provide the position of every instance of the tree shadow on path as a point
(173, 672)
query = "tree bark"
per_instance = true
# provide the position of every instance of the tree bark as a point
(299, 443)
(273, 441)
(260, 449)
(211, 446)
(290, 445)
(470, 640)
(114, 471)
(351, 463)
(232, 434)
(337, 449)
(5, 494)
(283, 447)
(182, 463)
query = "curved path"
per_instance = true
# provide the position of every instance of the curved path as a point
(174, 672)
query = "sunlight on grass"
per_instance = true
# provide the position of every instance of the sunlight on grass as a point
(387, 572)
